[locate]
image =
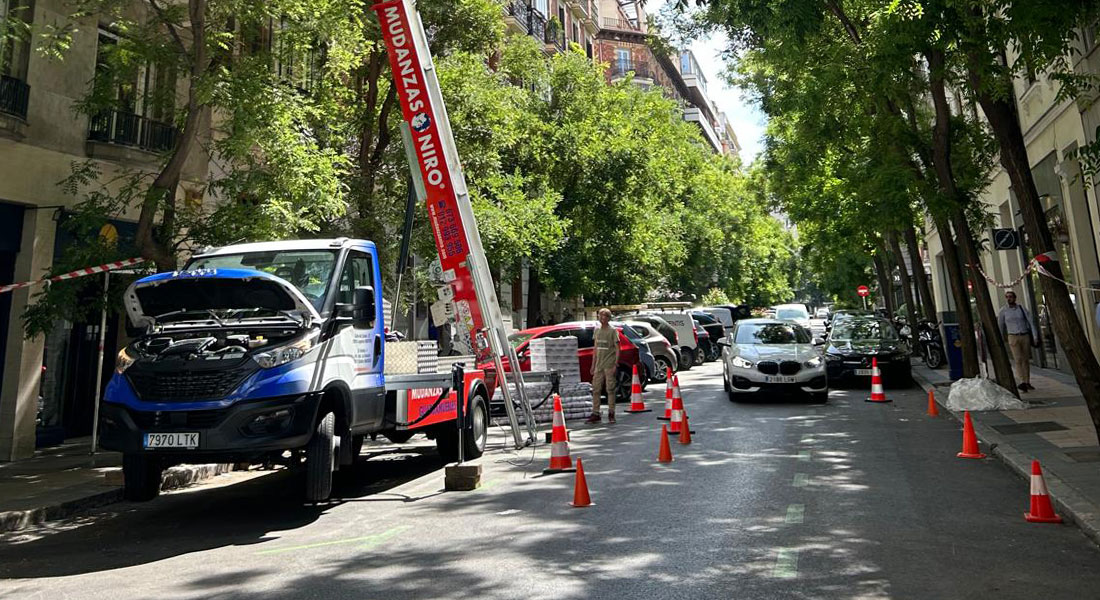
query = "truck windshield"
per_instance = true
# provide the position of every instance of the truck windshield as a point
(308, 270)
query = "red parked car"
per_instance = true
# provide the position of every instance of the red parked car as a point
(583, 331)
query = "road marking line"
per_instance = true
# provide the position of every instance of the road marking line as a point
(367, 540)
(805, 456)
(795, 514)
(800, 479)
(806, 440)
(786, 564)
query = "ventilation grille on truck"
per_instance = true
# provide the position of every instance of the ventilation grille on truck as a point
(183, 386)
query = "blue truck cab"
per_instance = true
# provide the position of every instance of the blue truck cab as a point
(262, 352)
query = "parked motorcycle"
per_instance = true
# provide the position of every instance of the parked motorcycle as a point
(931, 343)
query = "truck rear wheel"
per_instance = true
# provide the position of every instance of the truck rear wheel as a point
(321, 459)
(141, 477)
(474, 437)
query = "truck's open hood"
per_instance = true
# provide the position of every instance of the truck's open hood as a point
(212, 289)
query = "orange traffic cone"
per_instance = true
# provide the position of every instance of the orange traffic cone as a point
(685, 431)
(677, 411)
(970, 441)
(637, 405)
(581, 498)
(668, 396)
(1041, 510)
(559, 443)
(665, 453)
(877, 395)
(933, 410)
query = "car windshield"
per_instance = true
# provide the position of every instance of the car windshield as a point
(308, 270)
(856, 329)
(517, 339)
(771, 333)
(791, 313)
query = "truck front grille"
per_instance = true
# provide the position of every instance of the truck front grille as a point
(184, 385)
(191, 419)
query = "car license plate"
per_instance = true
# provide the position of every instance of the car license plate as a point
(778, 379)
(863, 372)
(172, 440)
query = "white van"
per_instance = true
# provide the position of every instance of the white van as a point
(685, 332)
(722, 314)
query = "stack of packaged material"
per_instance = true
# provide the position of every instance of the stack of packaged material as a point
(555, 354)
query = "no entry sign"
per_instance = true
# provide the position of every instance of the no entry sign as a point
(863, 291)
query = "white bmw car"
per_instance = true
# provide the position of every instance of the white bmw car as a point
(771, 357)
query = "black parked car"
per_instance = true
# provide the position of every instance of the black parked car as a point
(854, 341)
(714, 329)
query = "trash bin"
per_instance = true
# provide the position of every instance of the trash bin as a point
(952, 347)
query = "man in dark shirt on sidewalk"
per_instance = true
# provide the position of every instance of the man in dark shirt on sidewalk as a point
(1019, 330)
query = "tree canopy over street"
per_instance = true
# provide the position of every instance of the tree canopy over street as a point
(602, 188)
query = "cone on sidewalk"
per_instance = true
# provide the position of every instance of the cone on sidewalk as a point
(1041, 509)
(559, 443)
(933, 410)
(581, 498)
(685, 432)
(664, 455)
(637, 404)
(877, 394)
(970, 441)
(668, 396)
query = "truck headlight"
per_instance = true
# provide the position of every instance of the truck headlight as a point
(124, 360)
(814, 362)
(269, 359)
(741, 363)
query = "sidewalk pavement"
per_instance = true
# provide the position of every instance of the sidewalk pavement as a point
(1056, 430)
(60, 481)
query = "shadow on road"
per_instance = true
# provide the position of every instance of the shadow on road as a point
(128, 534)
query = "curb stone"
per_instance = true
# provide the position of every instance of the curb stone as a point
(1073, 506)
(175, 478)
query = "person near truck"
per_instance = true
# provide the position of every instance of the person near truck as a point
(1019, 329)
(605, 359)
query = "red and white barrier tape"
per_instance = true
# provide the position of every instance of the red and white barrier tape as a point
(74, 274)
(1035, 264)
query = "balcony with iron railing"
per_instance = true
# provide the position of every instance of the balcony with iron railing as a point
(640, 68)
(555, 37)
(518, 13)
(536, 24)
(128, 129)
(14, 96)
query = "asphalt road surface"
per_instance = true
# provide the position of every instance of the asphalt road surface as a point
(772, 500)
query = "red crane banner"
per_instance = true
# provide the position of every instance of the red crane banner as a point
(408, 63)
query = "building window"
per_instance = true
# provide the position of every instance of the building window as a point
(543, 6)
(622, 58)
(15, 20)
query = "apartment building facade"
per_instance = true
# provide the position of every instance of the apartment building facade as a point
(1052, 131)
(555, 23)
(48, 380)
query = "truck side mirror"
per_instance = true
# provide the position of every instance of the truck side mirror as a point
(363, 306)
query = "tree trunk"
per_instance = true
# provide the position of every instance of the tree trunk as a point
(962, 299)
(882, 271)
(998, 349)
(945, 176)
(153, 245)
(1005, 124)
(907, 289)
(919, 274)
(534, 297)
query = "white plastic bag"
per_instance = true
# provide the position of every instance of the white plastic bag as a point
(979, 393)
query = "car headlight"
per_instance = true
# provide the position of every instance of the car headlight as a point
(275, 357)
(814, 362)
(124, 360)
(833, 357)
(741, 363)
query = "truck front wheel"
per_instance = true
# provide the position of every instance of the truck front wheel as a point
(321, 459)
(141, 476)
